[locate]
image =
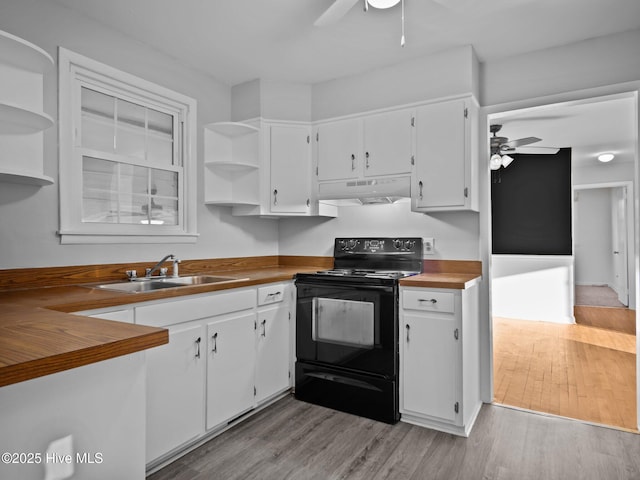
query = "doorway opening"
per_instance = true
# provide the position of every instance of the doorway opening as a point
(552, 354)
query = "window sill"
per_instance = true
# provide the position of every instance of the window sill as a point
(75, 238)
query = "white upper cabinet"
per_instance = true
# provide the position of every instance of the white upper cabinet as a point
(368, 146)
(387, 143)
(339, 149)
(290, 163)
(445, 175)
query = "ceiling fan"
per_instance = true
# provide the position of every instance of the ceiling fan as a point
(502, 146)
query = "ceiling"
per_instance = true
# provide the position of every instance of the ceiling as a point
(241, 40)
(606, 124)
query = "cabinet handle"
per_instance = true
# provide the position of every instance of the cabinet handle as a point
(198, 347)
(420, 186)
(367, 161)
(432, 300)
(408, 329)
(308, 203)
(275, 197)
(264, 328)
(214, 339)
(353, 162)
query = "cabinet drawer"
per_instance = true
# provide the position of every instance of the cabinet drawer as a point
(271, 294)
(179, 311)
(428, 300)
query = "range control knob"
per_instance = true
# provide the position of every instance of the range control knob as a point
(408, 244)
(397, 243)
(351, 244)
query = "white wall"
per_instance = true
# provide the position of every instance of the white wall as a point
(455, 234)
(586, 64)
(101, 406)
(452, 72)
(32, 213)
(592, 237)
(530, 287)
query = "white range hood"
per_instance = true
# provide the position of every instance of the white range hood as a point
(368, 190)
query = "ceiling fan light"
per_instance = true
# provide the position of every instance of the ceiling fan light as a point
(383, 3)
(495, 162)
(506, 160)
(606, 157)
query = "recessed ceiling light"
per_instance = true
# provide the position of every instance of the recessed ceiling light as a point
(606, 157)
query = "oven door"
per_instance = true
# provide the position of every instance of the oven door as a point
(348, 326)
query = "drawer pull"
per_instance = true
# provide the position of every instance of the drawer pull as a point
(269, 295)
(432, 300)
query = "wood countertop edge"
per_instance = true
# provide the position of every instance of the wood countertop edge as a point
(40, 367)
(454, 281)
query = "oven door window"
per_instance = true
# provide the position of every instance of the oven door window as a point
(343, 322)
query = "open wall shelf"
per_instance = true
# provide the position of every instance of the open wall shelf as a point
(22, 120)
(231, 164)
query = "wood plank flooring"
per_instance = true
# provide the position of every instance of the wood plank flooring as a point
(576, 371)
(618, 319)
(296, 440)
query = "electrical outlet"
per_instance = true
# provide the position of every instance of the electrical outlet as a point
(429, 246)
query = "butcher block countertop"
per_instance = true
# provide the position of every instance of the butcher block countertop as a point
(455, 274)
(39, 335)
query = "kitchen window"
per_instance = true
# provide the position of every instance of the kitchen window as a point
(127, 157)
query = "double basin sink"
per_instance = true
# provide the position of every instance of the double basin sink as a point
(150, 284)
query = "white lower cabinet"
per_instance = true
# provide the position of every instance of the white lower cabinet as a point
(228, 353)
(175, 390)
(272, 351)
(439, 358)
(230, 367)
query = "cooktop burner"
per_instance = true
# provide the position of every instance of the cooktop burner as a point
(362, 272)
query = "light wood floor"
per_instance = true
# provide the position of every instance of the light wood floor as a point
(298, 441)
(579, 371)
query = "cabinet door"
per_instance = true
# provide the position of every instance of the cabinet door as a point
(441, 157)
(387, 143)
(272, 363)
(429, 365)
(231, 349)
(290, 169)
(175, 390)
(339, 147)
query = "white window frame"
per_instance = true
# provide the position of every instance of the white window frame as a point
(76, 71)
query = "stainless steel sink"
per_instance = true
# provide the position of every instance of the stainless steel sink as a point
(200, 279)
(149, 285)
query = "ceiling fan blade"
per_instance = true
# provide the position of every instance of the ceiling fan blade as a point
(521, 142)
(537, 150)
(335, 12)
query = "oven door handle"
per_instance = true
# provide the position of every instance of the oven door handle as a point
(345, 380)
(337, 284)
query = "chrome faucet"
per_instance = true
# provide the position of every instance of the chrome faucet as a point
(163, 271)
